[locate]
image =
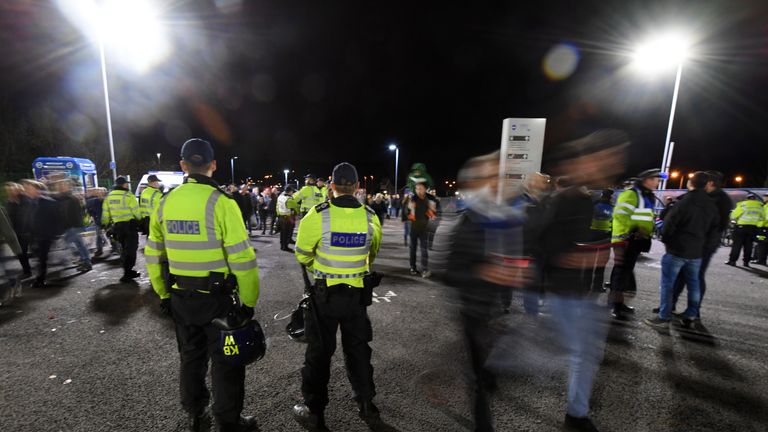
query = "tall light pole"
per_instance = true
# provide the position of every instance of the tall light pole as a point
(658, 53)
(131, 31)
(232, 167)
(112, 162)
(285, 172)
(396, 149)
(158, 160)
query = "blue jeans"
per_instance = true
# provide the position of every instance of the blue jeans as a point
(671, 267)
(406, 230)
(583, 327)
(72, 236)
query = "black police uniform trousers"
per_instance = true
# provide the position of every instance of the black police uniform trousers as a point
(743, 238)
(286, 230)
(339, 308)
(624, 258)
(761, 247)
(127, 234)
(198, 340)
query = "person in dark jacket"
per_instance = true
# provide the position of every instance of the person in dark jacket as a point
(20, 211)
(380, 207)
(569, 261)
(72, 222)
(272, 210)
(421, 209)
(724, 206)
(243, 199)
(45, 225)
(478, 273)
(690, 229)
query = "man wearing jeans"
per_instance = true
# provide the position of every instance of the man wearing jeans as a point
(689, 229)
(422, 208)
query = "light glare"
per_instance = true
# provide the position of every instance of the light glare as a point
(662, 52)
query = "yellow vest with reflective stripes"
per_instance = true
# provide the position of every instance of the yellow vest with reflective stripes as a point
(338, 244)
(748, 212)
(631, 215)
(309, 196)
(197, 229)
(148, 200)
(119, 206)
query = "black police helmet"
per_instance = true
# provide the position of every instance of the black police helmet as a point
(295, 328)
(241, 345)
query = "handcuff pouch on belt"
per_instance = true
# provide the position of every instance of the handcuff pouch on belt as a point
(216, 283)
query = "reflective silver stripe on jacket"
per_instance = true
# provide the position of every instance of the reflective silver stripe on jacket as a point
(243, 266)
(340, 264)
(193, 244)
(303, 252)
(238, 247)
(210, 213)
(153, 259)
(202, 266)
(160, 246)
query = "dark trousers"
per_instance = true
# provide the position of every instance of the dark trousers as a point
(263, 221)
(761, 252)
(743, 238)
(272, 220)
(624, 258)
(43, 249)
(24, 255)
(480, 341)
(680, 281)
(198, 340)
(286, 231)
(420, 239)
(341, 308)
(128, 236)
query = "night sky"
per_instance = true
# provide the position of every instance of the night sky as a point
(307, 84)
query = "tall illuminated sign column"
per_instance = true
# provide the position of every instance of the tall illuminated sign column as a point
(522, 146)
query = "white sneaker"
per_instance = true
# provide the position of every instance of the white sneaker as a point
(426, 274)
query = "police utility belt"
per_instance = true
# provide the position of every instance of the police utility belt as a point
(216, 283)
(321, 291)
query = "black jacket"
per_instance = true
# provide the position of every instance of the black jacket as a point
(724, 206)
(71, 211)
(691, 226)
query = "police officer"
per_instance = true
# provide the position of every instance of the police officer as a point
(602, 224)
(323, 189)
(761, 239)
(337, 241)
(148, 200)
(287, 209)
(632, 228)
(748, 215)
(122, 209)
(308, 196)
(198, 233)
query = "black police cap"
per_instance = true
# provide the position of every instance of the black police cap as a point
(152, 178)
(344, 174)
(197, 152)
(120, 181)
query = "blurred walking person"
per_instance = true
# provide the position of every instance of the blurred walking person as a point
(20, 212)
(421, 209)
(10, 286)
(93, 206)
(570, 259)
(46, 225)
(73, 215)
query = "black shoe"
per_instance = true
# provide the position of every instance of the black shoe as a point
(368, 412)
(305, 416)
(40, 284)
(414, 272)
(746, 264)
(133, 274)
(730, 263)
(245, 424)
(624, 308)
(199, 422)
(580, 424)
(617, 314)
(84, 268)
(688, 322)
(657, 323)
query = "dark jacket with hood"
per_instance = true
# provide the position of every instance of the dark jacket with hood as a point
(691, 226)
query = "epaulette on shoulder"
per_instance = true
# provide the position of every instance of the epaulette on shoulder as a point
(370, 210)
(322, 206)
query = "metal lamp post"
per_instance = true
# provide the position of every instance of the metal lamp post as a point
(396, 149)
(232, 167)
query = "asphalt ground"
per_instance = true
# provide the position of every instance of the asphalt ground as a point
(97, 355)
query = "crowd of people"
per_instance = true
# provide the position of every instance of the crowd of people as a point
(550, 240)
